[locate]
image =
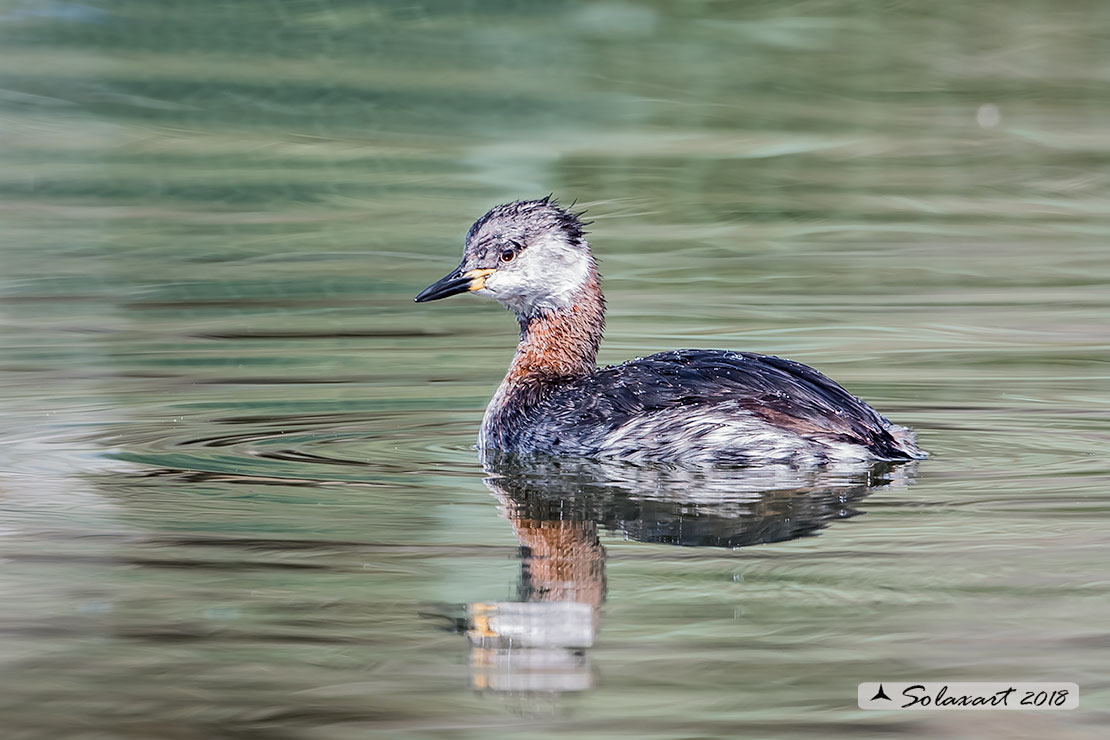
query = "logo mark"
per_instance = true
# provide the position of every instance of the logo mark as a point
(880, 694)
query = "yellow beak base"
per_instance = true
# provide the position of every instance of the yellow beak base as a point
(477, 278)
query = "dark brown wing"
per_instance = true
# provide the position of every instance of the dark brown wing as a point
(787, 394)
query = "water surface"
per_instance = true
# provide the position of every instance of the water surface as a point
(238, 494)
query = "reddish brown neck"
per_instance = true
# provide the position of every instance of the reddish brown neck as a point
(563, 561)
(562, 343)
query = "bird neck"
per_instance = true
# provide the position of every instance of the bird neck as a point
(561, 343)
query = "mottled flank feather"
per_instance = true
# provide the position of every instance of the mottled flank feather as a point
(698, 406)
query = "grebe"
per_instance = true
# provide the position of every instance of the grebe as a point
(694, 406)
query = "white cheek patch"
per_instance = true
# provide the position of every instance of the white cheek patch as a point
(547, 274)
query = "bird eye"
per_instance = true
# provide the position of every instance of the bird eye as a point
(508, 255)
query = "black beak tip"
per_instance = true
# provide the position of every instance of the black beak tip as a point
(449, 285)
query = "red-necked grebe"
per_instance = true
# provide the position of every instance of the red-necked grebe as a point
(687, 406)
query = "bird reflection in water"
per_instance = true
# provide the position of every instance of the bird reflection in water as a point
(557, 508)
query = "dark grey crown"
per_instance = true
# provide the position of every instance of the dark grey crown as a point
(523, 221)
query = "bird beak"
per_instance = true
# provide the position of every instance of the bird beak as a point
(454, 283)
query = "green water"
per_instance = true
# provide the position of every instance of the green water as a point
(238, 495)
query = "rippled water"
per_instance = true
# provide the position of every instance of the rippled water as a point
(238, 495)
